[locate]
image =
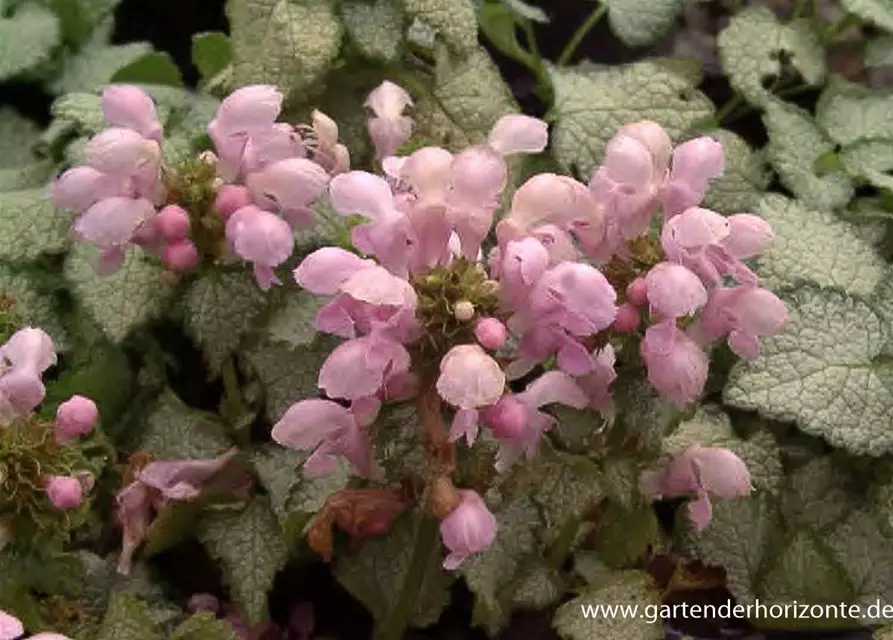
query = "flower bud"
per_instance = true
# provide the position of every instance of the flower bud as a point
(180, 256)
(463, 310)
(490, 333)
(65, 492)
(627, 319)
(637, 292)
(10, 627)
(75, 417)
(231, 198)
(172, 223)
(469, 529)
(508, 418)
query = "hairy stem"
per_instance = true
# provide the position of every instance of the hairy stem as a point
(581, 33)
(425, 546)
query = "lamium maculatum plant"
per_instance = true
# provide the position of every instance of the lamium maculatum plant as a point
(397, 306)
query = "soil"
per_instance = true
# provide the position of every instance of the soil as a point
(169, 26)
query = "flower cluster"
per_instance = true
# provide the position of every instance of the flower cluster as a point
(24, 358)
(423, 312)
(242, 201)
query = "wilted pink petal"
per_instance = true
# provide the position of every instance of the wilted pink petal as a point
(469, 529)
(324, 271)
(134, 512)
(469, 378)
(131, 108)
(111, 222)
(517, 133)
(182, 480)
(673, 291)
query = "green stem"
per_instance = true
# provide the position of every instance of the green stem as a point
(232, 394)
(729, 107)
(543, 81)
(581, 33)
(394, 626)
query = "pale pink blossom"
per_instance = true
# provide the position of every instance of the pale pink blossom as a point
(24, 358)
(469, 529)
(677, 367)
(130, 107)
(10, 627)
(469, 380)
(695, 164)
(389, 128)
(743, 314)
(75, 417)
(673, 291)
(262, 238)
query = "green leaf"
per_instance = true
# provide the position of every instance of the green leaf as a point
(755, 48)
(711, 427)
(27, 39)
(35, 174)
(288, 375)
(500, 24)
(81, 111)
(119, 302)
(293, 496)
(879, 52)
(204, 626)
(871, 161)
(294, 323)
(397, 442)
(212, 52)
(540, 586)
(78, 18)
(174, 431)
(31, 225)
(815, 246)
(641, 22)
(795, 144)
(631, 588)
(526, 11)
(101, 580)
(376, 29)
(884, 633)
(155, 67)
(468, 99)
(375, 573)
(745, 179)
(836, 389)
(93, 67)
(18, 135)
(491, 575)
(878, 12)
(289, 43)
(454, 20)
(625, 537)
(818, 495)
(127, 619)
(249, 545)
(591, 106)
(32, 303)
(850, 113)
(220, 308)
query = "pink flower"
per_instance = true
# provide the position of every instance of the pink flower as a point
(130, 107)
(516, 133)
(180, 256)
(363, 366)
(749, 235)
(23, 359)
(469, 379)
(553, 387)
(469, 529)
(75, 417)
(702, 472)
(699, 239)
(744, 314)
(389, 128)
(677, 367)
(65, 492)
(173, 223)
(288, 187)
(329, 430)
(695, 164)
(673, 291)
(262, 238)
(630, 179)
(10, 627)
(597, 383)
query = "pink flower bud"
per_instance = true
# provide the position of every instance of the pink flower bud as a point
(463, 310)
(469, 529)
(65, 492)
(10, 627)
(490, 333)
(172, 223)
(74, 417)
(627, 318)
(508, 418)
(231, 198)
(180, 256)
(637, 292)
